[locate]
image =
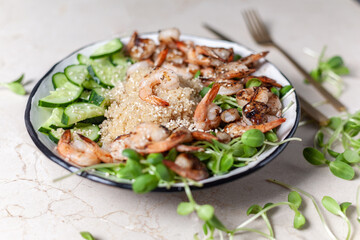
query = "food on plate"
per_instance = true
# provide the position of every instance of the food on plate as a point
(166, 108)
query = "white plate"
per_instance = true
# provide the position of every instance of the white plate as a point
(35, 116)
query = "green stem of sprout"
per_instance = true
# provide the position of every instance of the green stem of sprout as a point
(332, 236)
(101, 165)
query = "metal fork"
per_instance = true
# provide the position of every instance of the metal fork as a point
(261, 35)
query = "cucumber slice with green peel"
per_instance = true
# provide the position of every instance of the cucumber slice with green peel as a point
(109, 48)
(93, 76)
(59, 79)
(119, 59)
(86, 112)
(90, 131)
(91, 84)
(84, 97)
(107, 73)
(62, 96)
(99, 96)
(83, 59)
(54, 121)
(77, 73)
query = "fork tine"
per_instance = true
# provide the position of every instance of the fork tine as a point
(250, 25)
(261, 25)
(256, 24)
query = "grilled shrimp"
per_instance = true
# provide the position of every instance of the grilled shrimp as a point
(222, 54)
(181, 71)
(175, 56)
(207, 114)
(179, 136)
(118, 145)
(255, 112)
(136, 67)
(229, 87)
(203, 136)
(230, 115)
(237, 129)
(188, 166)
(188, 148)
(165, 78)
(140, 48)
(161, 57)
(233, 70)
(82, 151)
(144, 134)
(274, 105)
(169, 37)
(250, 60)
(223, 137)
(246, 95)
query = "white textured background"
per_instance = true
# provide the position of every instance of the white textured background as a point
(36, 34)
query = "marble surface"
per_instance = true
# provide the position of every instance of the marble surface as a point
(36, 34)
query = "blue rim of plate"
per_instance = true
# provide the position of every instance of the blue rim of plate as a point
(49, 154)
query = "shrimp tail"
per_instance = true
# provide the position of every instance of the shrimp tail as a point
(161, 57)
(188, 148)
(237, 129)
(102, 155)
(203, 136)
(194, 174)
(180, 135)
(156, 101)
(201, 109)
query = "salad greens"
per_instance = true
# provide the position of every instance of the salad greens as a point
(87, 235)
(329, 71)
(341, 131)
(16, 86)
(212, 223)
(332, 206)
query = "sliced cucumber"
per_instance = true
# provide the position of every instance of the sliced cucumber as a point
(119, 59)
(109, 48)
(59, 79)
(85, 112)
(107, 73)
(90, 131)
(91, 84)
(84, 97)
(62, 96)
(77, 74)
(54, 121)
(99, 96)
(83, 59)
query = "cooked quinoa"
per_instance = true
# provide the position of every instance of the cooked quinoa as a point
(127, 110)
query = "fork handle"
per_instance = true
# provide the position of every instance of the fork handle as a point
(312, 112)
(328, 96)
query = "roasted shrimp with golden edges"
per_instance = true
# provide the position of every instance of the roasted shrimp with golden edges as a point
(82, 151)
(165, 78)
(188, 166)
(140, 48)
(237, 129)
(207, 113)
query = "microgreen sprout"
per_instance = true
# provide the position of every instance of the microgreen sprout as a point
(87, 236)
(335, 208)
(221, 158)
(211, 222)
(340, 131)
(254, 209)
(16, 86)
(329, 71)
(323, 221)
